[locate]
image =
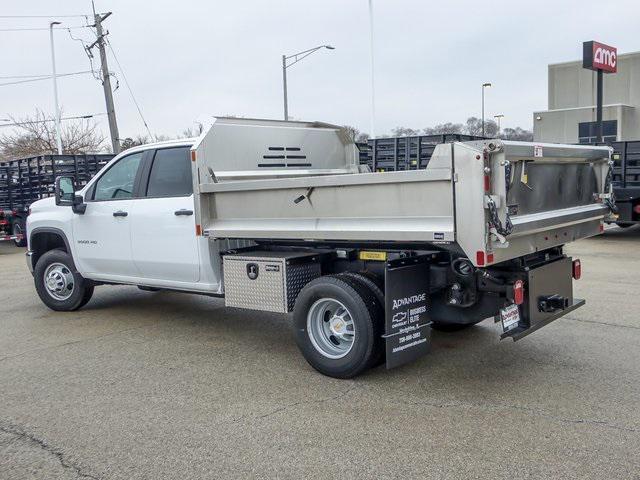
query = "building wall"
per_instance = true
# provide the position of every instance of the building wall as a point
(572, 87)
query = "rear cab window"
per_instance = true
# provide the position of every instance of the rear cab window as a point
(170, 174)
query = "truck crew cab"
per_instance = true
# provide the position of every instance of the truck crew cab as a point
(279, 216)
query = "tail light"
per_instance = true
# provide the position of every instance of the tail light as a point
(518, 292)
(577, 270)
(637, 209)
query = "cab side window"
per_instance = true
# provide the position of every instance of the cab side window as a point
(117, 182)
(170, 174)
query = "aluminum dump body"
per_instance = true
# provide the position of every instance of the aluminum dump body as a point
(494, 200)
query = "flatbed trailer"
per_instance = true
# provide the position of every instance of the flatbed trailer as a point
(392, 154)
(282, 217)
(626, 182)
(26, 180)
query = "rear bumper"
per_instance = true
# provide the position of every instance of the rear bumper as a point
(523, 331)
(29, 258)
(548, 296)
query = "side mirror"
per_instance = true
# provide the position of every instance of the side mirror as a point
(65, 191)
(66, 195)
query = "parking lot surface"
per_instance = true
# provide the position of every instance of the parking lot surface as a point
(167, 385)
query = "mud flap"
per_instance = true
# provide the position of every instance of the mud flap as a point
(407, 325)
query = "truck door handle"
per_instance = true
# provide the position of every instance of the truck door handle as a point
(183, 212)
(120, 213)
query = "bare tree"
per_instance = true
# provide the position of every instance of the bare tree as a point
(36, 135)
(192, 132)
(136, 141)
(404, 132)
(517, 134)
(444, 128)
(356, 135)
(474, 127)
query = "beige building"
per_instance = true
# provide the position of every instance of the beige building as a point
(572, 103)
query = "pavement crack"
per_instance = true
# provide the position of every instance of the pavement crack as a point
(288, 406)
(530, 411)
(73, 342)
(19, 433)
(633, 327)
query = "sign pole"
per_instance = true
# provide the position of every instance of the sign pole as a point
(599, 131)
(602, 59)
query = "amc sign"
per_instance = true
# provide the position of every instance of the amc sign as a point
(598, 56)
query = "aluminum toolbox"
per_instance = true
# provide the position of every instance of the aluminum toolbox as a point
(270, 281)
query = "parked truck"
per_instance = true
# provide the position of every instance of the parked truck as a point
(281, 217)
(626, 182)
(25, 180)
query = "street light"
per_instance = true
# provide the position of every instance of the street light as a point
(55, 88)
(296, 58)
(484, 85)
(498, 117)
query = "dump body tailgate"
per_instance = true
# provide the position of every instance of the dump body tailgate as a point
(516, 198)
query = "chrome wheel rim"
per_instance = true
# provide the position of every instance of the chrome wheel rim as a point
(330, 328)
(58, 281)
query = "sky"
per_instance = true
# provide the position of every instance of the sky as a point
(188, 60)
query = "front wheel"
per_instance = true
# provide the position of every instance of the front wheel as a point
(59, 285)
(337, 322)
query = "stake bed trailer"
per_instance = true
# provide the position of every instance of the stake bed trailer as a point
(25, 180)
(626, 181)
(287, 220)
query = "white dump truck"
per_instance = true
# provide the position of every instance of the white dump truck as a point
(280, 217)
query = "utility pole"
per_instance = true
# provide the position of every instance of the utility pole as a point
(106, 81)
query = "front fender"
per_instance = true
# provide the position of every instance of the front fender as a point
(47, 217)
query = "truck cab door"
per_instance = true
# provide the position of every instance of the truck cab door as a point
(163, 233)
(102, 235)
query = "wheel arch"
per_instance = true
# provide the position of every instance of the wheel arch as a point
(45, 239)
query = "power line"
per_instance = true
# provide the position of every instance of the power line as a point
(126, 82)
(42, 16)
(44, 78)
(87, 50)
(11, 77)
(28, 29)
(17, 124)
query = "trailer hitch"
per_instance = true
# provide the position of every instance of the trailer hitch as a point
(552, 303)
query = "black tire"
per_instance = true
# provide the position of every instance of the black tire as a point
(624, 225)
(16, 229)
(365, 313)
(451, 327)
(362, 277)
(367, 283)
(81, 289)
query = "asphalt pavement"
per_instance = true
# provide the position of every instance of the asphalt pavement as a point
(142, 385)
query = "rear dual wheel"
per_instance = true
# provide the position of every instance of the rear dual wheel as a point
(339, 325)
